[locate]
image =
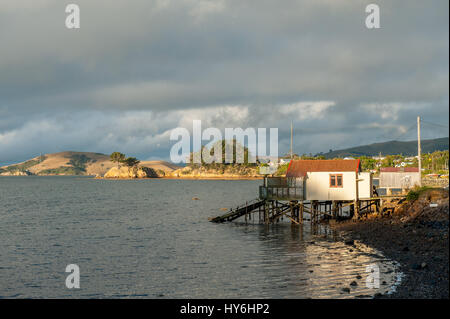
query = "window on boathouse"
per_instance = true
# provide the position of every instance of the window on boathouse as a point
(336, 180)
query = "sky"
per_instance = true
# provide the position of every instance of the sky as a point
(137, 69)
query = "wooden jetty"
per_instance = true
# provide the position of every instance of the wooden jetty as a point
(272, 211)
(246, 209)
(338, 184)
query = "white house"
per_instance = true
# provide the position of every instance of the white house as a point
(331, 179)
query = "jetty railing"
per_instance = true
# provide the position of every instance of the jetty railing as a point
(282, 188)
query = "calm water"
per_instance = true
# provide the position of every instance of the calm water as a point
(149, 239)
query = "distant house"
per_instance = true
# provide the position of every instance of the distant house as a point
(331, 179)
(399, 177)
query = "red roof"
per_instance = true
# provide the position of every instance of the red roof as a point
(399, 169)
(299, 168)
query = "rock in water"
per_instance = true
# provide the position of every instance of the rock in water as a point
(133, 172)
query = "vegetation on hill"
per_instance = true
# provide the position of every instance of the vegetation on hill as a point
(232, 160)
(63, 170)
(391, 147)
(436, 162)
(77, 166)
(78, 163)
(119, 158)
(81, 163)
(22, 167)
(238, 153)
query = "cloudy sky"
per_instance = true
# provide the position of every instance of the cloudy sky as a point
(137, 69)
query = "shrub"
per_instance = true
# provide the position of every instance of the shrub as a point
(415, 193)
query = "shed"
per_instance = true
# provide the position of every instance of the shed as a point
(399, 177)
(332, 179)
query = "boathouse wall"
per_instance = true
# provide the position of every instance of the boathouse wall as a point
(317, 186)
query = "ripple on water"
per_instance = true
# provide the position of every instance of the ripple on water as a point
(148, 239)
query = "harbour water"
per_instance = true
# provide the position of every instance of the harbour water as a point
(150, 239)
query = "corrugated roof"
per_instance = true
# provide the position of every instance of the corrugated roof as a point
(399, 169)
(299, 168)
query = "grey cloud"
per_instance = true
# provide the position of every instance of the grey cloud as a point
(163, 57)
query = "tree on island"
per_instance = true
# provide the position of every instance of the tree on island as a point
(117, 157)
(237, 152)
(131, 162)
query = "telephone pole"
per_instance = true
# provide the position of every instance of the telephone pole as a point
(292, 133)
(419, 151)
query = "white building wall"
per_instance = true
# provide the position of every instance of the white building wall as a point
(365, 188)
(317, 186)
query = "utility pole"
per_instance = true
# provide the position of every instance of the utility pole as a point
(419, 151)
(292, 133)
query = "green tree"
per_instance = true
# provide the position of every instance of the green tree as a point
(367, 163)
(131, 162)
(234, 147)
(117, 157)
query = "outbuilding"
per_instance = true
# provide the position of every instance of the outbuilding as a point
(332, 179)
(399, 178)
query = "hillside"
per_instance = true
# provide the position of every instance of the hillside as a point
(392, 147)
(75, 163)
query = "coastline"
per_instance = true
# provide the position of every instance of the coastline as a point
(183, 178)
(224, 178)
(217, 178)
(421, 249)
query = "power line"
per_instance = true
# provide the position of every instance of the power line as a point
(434, 124)
(384, 136)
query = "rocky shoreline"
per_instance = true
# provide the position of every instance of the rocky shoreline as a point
(416, 236)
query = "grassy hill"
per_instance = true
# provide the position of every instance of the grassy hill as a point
(75, 163)
(392, 147)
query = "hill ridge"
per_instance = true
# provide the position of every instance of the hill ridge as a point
(406, 148)
(75, 163)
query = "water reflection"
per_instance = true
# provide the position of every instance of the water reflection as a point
(320, 265)
(149, 239)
